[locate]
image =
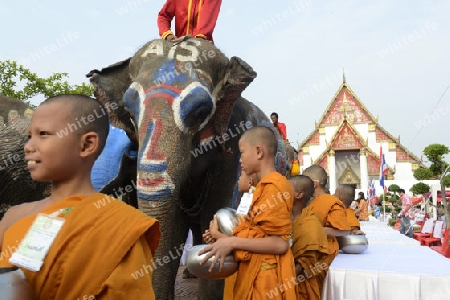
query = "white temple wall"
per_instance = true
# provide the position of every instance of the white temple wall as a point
(403, 171)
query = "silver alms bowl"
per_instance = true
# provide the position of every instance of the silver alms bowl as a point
(353, 243)
(193, 264)
(227, 219)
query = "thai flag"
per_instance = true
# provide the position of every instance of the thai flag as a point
(383, 167)
(372, 191)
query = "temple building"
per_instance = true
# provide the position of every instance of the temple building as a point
(347, 142)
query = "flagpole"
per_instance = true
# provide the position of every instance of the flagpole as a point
(383, 168)
(384, 205)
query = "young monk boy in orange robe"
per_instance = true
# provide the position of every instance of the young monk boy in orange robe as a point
(103, 241)
(346, 193)
(245, 184)
(261, 241)
(329, 210)
(309, 241)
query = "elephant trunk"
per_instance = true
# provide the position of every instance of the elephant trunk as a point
(161, 163)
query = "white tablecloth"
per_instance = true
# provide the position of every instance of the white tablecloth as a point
(379, 233)
(388, 271)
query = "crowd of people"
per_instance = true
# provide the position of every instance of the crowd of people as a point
(284, 243)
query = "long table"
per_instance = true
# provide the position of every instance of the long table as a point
(393, 267)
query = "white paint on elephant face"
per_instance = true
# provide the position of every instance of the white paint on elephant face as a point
(177, 109)
(136, 108)
(155, 47)
(155, 184)
(190, 45)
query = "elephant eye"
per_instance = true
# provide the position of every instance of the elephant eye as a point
(195, 106)
(202, 114)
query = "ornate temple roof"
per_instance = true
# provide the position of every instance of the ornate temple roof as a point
(345, 110)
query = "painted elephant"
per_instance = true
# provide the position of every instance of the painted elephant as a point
(16, 185)
(181, 103)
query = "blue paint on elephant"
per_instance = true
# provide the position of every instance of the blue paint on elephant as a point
(155, 196)
(161, 167)
(107, 165)
(197, 100)
(167, 74)
(132, 101)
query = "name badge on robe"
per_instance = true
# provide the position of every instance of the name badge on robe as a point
(34, 247)
(245, 203)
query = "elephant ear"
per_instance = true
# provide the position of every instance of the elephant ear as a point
(237, 77)
(110, 85)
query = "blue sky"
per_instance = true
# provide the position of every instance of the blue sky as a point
(395, 53)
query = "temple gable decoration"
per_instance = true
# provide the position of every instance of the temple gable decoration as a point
(345, 105)
(346, 137)
(349, 177)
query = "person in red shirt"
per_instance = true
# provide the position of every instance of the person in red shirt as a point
(278, 125)
(195, 17)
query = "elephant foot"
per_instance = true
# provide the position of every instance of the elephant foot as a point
(187, 274)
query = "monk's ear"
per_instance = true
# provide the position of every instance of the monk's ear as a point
(259, 151)
(89, 143)
(298, 195)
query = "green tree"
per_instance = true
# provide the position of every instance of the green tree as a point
(423, 174)
(435, 154)
(420, 188)
(20, 83)
(393, 188)
(447, 181)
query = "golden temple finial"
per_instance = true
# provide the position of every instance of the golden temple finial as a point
(343, 76)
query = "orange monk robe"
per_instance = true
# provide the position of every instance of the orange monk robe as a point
(263, 276)
(103, 243)
(364, 213)
(331, 213)
(309, 247)
(351, 218)
(229, 286)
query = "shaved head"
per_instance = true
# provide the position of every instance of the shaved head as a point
(301, 183)
(317, 173)
(86, 112)
(262, 135)
(346, 193)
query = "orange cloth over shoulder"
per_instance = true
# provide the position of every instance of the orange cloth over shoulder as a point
(309, 247)
(260, 276)
(351, 218)
(331, 213)
(99, 251)
(364, 213)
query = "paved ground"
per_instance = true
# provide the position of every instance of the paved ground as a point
(186, 289)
